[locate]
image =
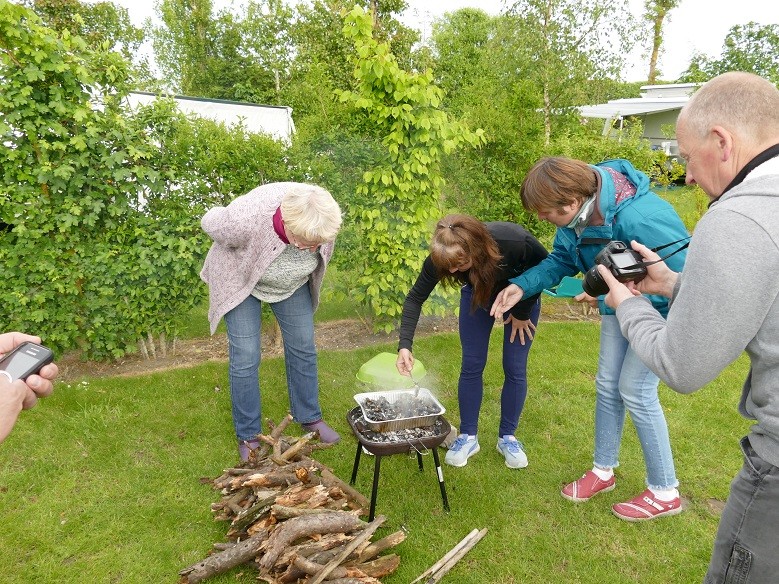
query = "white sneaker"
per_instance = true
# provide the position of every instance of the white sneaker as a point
(513, 451)
(463, 448)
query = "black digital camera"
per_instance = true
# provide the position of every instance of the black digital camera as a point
(625, 264)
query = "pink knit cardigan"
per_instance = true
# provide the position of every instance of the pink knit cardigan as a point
(245, 244)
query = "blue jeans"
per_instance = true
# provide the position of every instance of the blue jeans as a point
(623, 383)
(475, 330)
(745, 551)
(295, 316)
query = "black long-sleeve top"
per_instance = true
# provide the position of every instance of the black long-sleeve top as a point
(519, 250)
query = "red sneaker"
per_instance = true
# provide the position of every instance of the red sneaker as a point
(646, 506)
(587, 487)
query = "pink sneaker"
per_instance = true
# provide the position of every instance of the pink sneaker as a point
(587, 487)
(645, 507)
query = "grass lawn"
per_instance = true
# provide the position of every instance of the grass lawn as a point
(100, 482)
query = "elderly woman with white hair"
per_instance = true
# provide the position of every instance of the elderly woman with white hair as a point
(271, 245)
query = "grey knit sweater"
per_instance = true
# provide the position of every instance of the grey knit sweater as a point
(725, 302)
(245, 244)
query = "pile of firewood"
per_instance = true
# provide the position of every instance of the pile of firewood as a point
(294, 520)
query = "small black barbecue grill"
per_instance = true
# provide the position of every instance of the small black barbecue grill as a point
(399, 440)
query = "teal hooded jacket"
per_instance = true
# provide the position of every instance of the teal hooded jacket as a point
(644, 217)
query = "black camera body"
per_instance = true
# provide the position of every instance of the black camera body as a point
(625, 264)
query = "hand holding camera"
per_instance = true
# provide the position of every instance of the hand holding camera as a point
(660, 279)
(625, 264)
(640, 266)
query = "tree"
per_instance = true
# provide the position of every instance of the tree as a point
(266, 40)
(460, 40)
(103, 25)
(403, 190)
(656, 12)
(185, 46)
(99, 23)
(562, 44)
(751, 47)
(323, 54)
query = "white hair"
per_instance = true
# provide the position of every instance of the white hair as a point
(311, 212)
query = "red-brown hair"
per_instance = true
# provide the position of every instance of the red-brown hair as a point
(458, 239)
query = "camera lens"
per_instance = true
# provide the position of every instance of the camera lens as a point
(593, 283)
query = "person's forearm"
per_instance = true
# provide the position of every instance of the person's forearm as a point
(10, 407)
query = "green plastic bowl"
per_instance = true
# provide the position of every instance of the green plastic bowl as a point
(380, 372)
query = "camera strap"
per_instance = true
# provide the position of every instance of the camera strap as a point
(659, 247)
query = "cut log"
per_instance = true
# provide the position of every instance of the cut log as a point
(288, 519)
(325, 543)
(291, 452)
(364, 580)
(329, 479)
(253, 513)
(292, 529)
(281, 512)
(380, 567)
(315, 496)
(279, 430)
(381, 545)
(312, 568)
(364, 536)
(223, 561)
(435, 572)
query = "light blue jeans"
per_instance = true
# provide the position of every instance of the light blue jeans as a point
(295, 316)
(623, 383)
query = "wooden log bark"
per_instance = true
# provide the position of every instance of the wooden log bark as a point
(381, 545)
(380, 567)
(329, 479)
(280, 497)
(218, 563)
(253, 513)
(364, 536)
(297, 527)
(271, 479)
(312, 568)
(366, 580)
(446, 557)
(281, 512)
(278, 430)
(325, 543)
(274, 476)
(291, 452)
(314, 496)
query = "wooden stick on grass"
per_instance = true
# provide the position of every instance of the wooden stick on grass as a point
(435, 572)
(436, 577)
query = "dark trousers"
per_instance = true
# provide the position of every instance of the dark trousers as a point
(475, 329)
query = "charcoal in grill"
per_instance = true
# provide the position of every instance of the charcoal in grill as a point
(397, 410)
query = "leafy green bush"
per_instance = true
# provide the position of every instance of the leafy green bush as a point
(100, 241)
